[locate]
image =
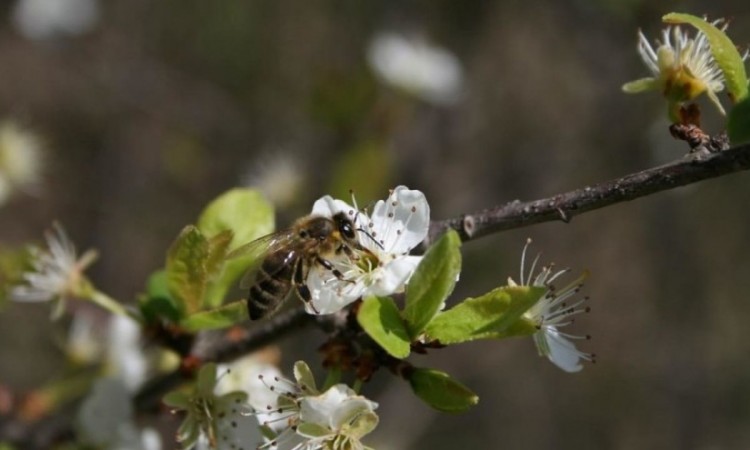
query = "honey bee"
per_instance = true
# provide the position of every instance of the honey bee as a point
(287, 256)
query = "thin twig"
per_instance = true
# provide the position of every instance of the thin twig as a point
(563, 207)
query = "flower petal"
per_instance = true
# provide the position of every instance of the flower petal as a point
(559, 350)
(393, 276)
(327, 206)
(401, 222)
(330, 294)
(321, 409)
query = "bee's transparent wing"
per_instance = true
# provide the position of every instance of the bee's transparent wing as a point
(257, 250)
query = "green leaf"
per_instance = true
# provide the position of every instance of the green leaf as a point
(432, 282)
(249, 216)
(222, 317)
(724, 51)
(440, 391)
(493, 315)
(158, 302)
(218, 246)
(738, 124)
(244, 211)
(177, 399)
(380, 318)
(640, 85)
(206, 380)
(186, 269)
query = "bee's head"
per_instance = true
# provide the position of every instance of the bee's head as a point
(344, 226)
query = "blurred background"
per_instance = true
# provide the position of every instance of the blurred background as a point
(144, 111)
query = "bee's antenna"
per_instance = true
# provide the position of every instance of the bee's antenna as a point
(372, 238)
(361, 229)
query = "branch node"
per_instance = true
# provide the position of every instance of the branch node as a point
(468, 224)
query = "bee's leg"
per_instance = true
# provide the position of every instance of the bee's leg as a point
(300, 277)
(336, 272)
(348, 251)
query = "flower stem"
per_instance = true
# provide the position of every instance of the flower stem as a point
(357, 387)
(334, 375)
(112, 305)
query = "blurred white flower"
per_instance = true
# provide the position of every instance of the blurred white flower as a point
(280, 178)
(426, 71)
(552, 312)
(213, 420)
(57, 272)
(262, 381)
(396, 226)
(20, 160)
(125, 358)
(84, 344)
(106, 419)
(45, 19)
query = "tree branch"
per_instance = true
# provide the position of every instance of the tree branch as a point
(693, 168)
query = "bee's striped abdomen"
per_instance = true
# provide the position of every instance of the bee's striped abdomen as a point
(272, 284)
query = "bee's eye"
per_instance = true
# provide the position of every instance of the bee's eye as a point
(347, 231)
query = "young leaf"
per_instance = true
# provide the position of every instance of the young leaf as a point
(493, 315)
(738, 124)
(380, 318)
(222, 317)
(440, 391)
(158, 302)
(244, 211)
(249, 216)
(218, 246)
(724, 51)
(186, 269)
(432, 282)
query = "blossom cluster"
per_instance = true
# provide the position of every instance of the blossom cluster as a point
(293, 415)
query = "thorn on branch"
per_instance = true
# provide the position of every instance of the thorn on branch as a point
(563, 216)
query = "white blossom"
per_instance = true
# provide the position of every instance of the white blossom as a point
(335, 419)
(682, 67)
(396, 226)
(45, 19)
(415, 66)
(213, 420)
(57, 272)
(106, 419)
(125, 356)
(554, 310)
